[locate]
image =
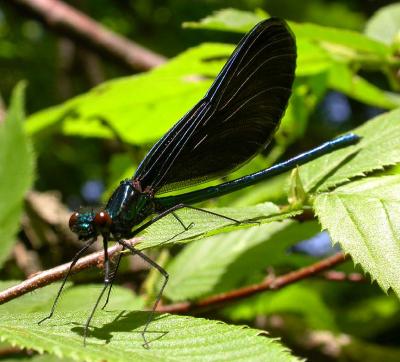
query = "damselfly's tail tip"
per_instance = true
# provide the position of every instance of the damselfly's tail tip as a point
(354, 137)
(348, 139)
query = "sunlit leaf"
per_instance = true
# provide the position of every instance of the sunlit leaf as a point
(116, 336)
(228, 20)
(384, 25)
(364, 218)
(16, 170)
(379, 147)
(169, 231)
(129, 105)
(351, 40)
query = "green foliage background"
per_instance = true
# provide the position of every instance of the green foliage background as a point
(354, 192)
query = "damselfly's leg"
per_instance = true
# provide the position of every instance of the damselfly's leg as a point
(172, 210)
(113, 276)
(184, 206)
(185, 228)
(74, 261)
(160, 293)
(153, 263)
(114, 273)
(219, 215)
(107, 283)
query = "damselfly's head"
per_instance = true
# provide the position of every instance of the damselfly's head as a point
(90, 224)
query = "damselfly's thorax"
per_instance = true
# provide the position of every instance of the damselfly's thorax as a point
(128, 206)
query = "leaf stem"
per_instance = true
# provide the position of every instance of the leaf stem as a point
(63, 18)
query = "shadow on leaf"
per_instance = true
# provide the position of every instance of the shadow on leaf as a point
(124, 322)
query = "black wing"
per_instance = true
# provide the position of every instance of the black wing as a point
(235, 120)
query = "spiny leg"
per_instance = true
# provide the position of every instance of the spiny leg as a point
(220, 215)
(74, 261)
(106, 285)
(113, 276)
(160, 293)
(171, 211)
(153, 263)
(210, 213)
(185, 228)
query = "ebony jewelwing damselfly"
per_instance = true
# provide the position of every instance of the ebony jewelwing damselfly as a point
(233, 122)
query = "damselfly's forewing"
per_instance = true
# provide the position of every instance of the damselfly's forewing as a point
(235, 120)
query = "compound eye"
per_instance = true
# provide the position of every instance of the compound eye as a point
(102, 220)
(73, 220)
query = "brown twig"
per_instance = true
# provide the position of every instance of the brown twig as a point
(72, 23)
(268, 284)
(51, 275)
(96, 259)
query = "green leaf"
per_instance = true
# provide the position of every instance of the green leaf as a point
(223, 262)
(130, 116)
(311, 58)
(228, 20)
(296, 195)
(201, 224)
(379, 147)
(163, 95)
(116, 336)
(16, 171)
(159, 97)
(344, 80)
(350, 41)
(384, 25)
(312, 307)
(363, 217)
